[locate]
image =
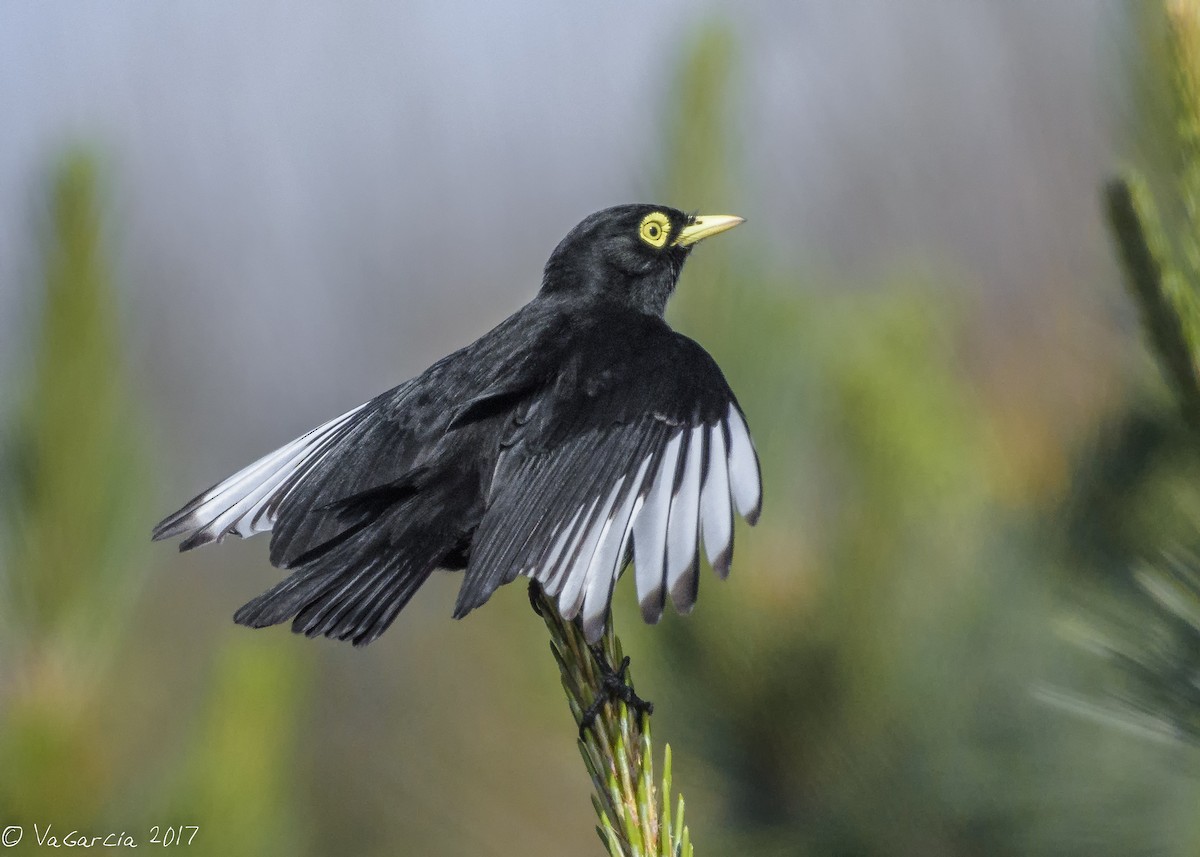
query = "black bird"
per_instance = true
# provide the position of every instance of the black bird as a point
(580, 433)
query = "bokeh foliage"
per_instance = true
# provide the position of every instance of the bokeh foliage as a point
(1146, 624)
(869, 681)
(896, 607)
(76, 497)
(75, 488)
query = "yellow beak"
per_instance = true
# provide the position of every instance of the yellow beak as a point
(705, 225)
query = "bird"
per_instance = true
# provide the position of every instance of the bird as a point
(578, 437)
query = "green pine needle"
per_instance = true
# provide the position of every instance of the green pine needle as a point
(635, 817)
(1168, 305)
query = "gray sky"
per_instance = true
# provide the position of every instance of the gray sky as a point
(312, 202)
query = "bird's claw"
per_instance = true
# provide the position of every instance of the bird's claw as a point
(612, 686)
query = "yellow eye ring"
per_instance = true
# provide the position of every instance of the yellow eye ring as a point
(654, 229)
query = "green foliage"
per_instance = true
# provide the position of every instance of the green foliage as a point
(75, 505)
(1162, 263)
(895, 608)
(869, 681)
(1151, 646)
(1150, 631)
(72, 509)
(635, 814)
(1170, 311)
(239, 783)
(75, 498)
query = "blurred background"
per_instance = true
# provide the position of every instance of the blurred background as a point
(224, 223)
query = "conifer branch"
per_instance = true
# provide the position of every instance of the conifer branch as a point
(634, 812)
(1163, 275)
(1167, 303)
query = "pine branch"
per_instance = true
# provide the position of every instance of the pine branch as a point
(1183, 53)
(635, 815)
(1166, 284)
(1168, 304)
(1152, 639)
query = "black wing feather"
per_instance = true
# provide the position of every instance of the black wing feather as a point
(556, 446)
(366, 506)
(574, 477)
(354, 590)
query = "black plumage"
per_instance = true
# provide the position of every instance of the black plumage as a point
(580, 433)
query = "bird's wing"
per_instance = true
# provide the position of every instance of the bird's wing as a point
(639, 443)
(356, 512)
(329, 482)
(248, 502)
(335, 478)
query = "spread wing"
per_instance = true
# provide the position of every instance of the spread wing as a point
(305, 492)
(637, 450)
(304, 475)
(248, 502)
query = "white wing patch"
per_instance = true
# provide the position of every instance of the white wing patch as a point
(650, 534)
(683, 528)
(606, 561)
(248, 501)
(716, 508)
(745, 483)
(679, 496)
(570, 600)
(558, 565)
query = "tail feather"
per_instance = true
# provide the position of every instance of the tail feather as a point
(283, 600)
(322, 614)
(374, 616)
(363, 609)
(354, 590)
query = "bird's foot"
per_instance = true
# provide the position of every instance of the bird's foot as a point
(612, 686)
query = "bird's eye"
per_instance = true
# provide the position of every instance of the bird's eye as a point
(654, 229)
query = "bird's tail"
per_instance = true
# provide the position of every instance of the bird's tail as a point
(353, 586)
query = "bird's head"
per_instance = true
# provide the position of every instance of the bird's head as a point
(629, 253)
